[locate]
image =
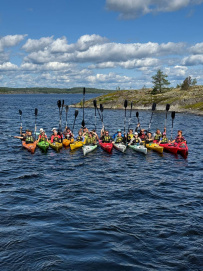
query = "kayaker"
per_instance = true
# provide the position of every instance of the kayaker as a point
(42, 137)
(130, 135)
(157, 136)
(142, 134)
(95, 135)
(67, 133)
(55, 137)
(164, 139)
(135, 140)
(85, 132)
(106, 138)
(80, 136)
(119, 138)
(28, 138)
(179, 138)
(149, 138)
(90, 140)
(115, 135)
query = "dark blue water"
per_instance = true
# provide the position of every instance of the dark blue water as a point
(64, 211)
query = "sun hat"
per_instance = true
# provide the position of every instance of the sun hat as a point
(54, 129)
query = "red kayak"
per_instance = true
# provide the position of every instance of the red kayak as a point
(182, 149)
(106, 146)
(173, 148)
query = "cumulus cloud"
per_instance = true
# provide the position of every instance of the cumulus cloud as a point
(10, 41)
(130, 9)
(197, 48)
(193, 60)
(8, 66)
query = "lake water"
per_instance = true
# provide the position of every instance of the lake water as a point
(64, 211)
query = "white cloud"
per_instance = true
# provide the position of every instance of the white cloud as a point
(37, 45)
(197, 48)
(8, 66)
(193, 60)
(131, 9)
(10, 41)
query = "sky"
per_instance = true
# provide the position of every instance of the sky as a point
(105, 44)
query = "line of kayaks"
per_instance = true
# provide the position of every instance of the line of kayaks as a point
(174, 148)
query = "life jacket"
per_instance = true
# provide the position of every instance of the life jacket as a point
(29, 139)
(68, 135)
(89, 140)
(106, 139)
(142, 136)
(135, 140)
(119, 139)
(164, 140)
(129, 137)
(56, 138)
(42, 138)
(157, 137)
(79, 138)
(179, 139)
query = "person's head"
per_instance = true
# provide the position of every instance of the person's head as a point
(164, 134)
(106, 133)
(68, 129)
(29, 132)
(80, 133)
(41, 130)
(149, 134)
(130, 131)
(43, 133)
(136, 134)
(180, 132)
(84, 129)
(119, 133)
(142, 131)
(158, 131)
(54, 130)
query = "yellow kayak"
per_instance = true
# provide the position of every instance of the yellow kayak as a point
(155, 147)
(67, 142)
(56, 146)
(76, 144)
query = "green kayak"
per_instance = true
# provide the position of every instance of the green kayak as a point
(43, 145)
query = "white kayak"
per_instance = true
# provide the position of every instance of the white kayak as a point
(139, 148)
(120, 146)
(88, 148)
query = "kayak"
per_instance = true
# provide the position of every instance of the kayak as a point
(155, 147)
(88, 148)
(106, 146)
(56, 146)
(67, 142)
(182, 149)
(139, 148)
(76, 145)
(30, 147)
(120, 146)
(173, 148)
(43, 145)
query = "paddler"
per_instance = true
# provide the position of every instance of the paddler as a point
(115, 135)
(157, 136)
(80, 136)
(135, 140)
(28, 138)
(106, 138)
(149, 138)
(42, 137)
(142, 134)
(164, 139)
(85, 132)
(56, 137)
(95, 135)
(90, 140)
(67, 133)
(119, 138)
(129, 135)
(179, 138)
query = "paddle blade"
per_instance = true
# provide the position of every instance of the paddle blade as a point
(83, 91)
(67, 108)
(167, 107)
(137, 114)
(153, 106)
(95, 103)
(83, 123)
(76, 113)
(36, 111)
(125, 103)
(20, 112)
(101, 108)
(59, 103)
(173, 114)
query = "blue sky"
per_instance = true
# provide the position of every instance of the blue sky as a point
(99, 43)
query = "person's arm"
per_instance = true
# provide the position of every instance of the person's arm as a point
(19, 137)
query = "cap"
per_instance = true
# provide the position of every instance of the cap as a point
(136, 133)
(54, 129)
(41, 130)
(119, 130)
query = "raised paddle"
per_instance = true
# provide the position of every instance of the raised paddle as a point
(76, 114)
(20, 112)
(36, 112)
(95, 113)
(83, 120)
(125, 105)
(59, 107)
(102, 117)
(153, 109)
(131, 106)
(67, 114)
(173, 117)
(167, 108)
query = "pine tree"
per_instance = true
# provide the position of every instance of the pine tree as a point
(159, 80)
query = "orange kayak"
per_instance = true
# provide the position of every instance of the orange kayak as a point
(30, 147)
(67, 142)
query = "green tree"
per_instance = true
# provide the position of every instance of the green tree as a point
(159, 80)
(188, 82)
